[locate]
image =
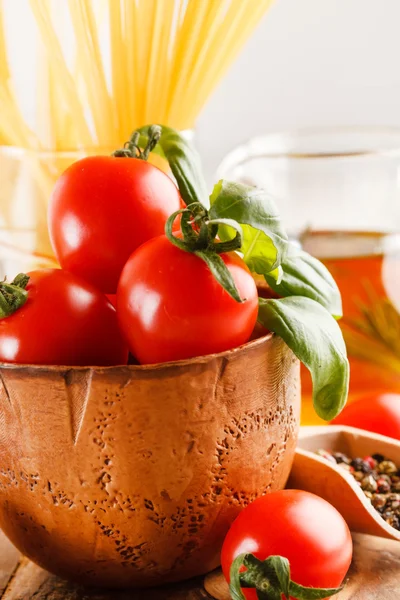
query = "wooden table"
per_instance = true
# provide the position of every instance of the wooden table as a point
(375, 575)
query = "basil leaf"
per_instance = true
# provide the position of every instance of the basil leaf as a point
(264, 239)
(316, 339)
(184, 162)
(304, 275)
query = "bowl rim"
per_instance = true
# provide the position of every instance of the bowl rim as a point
(196, 360)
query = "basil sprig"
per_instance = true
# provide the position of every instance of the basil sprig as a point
(304, 315)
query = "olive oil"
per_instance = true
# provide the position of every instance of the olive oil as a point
(366, 267)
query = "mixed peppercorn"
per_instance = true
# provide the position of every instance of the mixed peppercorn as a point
(378, 477)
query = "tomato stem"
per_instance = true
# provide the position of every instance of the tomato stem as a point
(132, 149)
(199, 233)
(13, 295)
(271, 580)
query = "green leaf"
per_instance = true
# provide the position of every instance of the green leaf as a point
(184, 162)
(264, 239)
(220, 271)
(234, 575)
(304, 593)
(315, 338)
(304, 275)
(281, 567)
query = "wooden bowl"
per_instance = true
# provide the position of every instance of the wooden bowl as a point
(315, 474)
(131, 476)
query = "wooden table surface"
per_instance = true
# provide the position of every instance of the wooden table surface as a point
(374, 575)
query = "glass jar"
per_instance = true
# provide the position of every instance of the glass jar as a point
(338, 191)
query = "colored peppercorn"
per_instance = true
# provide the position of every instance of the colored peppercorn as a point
(379, 479)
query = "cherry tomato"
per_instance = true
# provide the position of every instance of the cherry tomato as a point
(377, 413)
(299, 526)
(170, 306)
(65, 321)
(102, 208)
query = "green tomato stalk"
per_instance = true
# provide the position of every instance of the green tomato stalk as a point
(13, 295)
(199, 233)
(132, 149)
(271, 580)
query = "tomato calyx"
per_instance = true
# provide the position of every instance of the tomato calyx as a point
(13, 295)
(199, 234)
(271, 580)
(132, 149)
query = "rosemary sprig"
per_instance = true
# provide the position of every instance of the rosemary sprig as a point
(375, 336)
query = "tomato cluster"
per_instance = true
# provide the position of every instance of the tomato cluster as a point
(107, 216)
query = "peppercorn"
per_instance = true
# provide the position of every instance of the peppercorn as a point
(379, 479)
(360, 465)
(393, 500)
(378, 501)
(371, 461)
(341, 458)
(383, 486)
(368, 484)
(387, 466)
(396, 486)
(378, 457)
(327, 455)
(394, 521)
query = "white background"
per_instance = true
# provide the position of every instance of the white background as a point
(309, 63)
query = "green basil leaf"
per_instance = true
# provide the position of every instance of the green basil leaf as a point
(316, 339)
(304, 275)
(306, 593)
(184, 162)
(264, 239)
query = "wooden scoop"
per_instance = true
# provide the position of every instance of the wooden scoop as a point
(315, 474)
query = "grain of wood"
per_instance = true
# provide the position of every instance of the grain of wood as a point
(374, 575)
(9, 559)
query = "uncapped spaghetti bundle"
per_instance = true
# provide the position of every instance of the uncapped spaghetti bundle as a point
(101, 68)
(107, 66)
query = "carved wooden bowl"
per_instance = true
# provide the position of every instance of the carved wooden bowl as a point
(131, 476)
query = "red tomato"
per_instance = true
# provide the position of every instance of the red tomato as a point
(299, 526)
(170, 307)
(102, 208)
(377, 413)
(65, 321)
